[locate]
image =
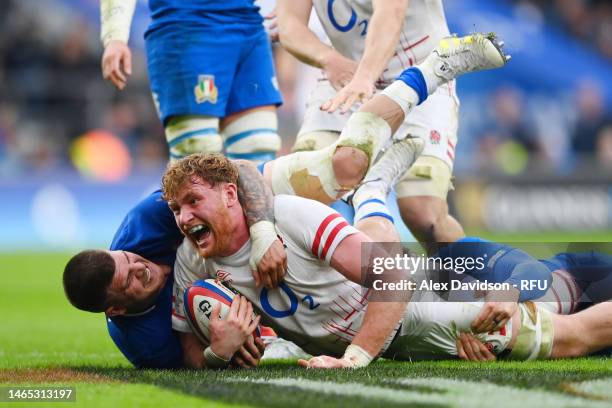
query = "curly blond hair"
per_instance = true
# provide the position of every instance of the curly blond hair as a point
(213, 168)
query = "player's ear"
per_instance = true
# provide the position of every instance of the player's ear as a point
(115, 311)
(230, 193)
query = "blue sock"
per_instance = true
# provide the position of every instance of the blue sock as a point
(372, 208)
(413, 77)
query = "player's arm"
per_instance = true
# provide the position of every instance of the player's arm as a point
(115, 21)
(302, 43)
(268, 258)
(382, 38)
(380, 318)
(501, 305)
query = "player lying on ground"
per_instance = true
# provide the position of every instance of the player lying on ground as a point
(320, 305)
(132, 283)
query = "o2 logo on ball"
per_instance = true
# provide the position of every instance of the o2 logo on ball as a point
(351, 23)
(205, 307)
(293, 302)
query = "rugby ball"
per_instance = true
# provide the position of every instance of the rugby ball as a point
(199, 301)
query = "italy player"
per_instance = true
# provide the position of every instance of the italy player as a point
(132, 283)
(211, 73)
(373, 41)
(321, 305)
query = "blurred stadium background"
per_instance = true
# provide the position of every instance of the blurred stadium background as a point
(535, 144)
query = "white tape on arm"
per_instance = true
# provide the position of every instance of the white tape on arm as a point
(357, 356)
(263, 234)
(115, 20)
(213, 360)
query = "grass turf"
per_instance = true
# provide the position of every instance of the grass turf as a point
(44, 341)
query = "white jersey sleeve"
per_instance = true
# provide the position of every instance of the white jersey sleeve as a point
(313, 226)
(188, 267)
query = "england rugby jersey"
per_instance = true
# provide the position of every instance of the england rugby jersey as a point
(315, 307)
(346, 24)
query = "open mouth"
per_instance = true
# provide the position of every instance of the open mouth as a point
(199, 233)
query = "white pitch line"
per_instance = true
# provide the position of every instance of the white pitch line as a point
(601, 389)
(449, 393)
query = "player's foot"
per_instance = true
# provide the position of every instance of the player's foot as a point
(383, 175)
(455, 56)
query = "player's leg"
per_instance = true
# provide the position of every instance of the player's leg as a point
(327, 174)
(193, 134)
(190, 82)
(372, 216)
(582, 333)
(319, 129)
(252, 134)
(422, 191)
(250, 128)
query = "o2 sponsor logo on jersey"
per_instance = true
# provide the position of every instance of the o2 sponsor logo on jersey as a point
(294, 302)
(350, 24)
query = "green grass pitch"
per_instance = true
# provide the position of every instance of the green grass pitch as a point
(43, 341)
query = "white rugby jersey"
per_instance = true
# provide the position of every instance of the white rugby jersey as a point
(346, 24)
(316, 307)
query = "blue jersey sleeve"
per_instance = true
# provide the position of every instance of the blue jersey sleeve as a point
(503, 263)
(147, 340)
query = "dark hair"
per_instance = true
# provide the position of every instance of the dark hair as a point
(86, 279)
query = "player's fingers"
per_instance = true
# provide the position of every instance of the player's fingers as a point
(460, 350)
(239, 361)
(260, 345)
(469, 348)
(350, 101)
(234, 307)
(254, 324)
(487, 354)
(216, 312)
(303, 363)
(247, 357)
(478, 321)
(252, 348)
(127, 63)
(256, 277)
(242, 309)
(267, 280)
(119, 84)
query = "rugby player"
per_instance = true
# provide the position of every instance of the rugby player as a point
(211, 73)
(321, 305)
(373, 41)
(132, 283)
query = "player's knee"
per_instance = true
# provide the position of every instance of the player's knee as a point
(350, 165)
(193, 134)
(314, 140)
(423, 215)
(253, 136)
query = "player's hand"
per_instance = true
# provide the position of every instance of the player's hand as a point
(325, 362)
(272, 267)
(499, 307)
(229, 334)
(358, 90)
(117, 63)
(339, 70)
(272, 26)
(469, 348)
(250, 353)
